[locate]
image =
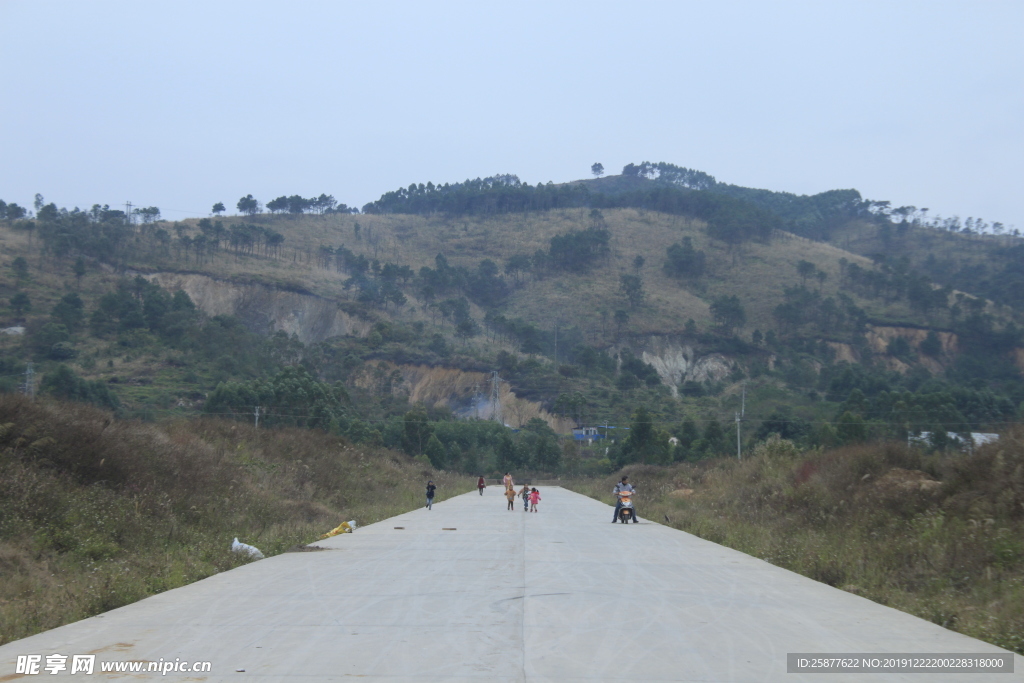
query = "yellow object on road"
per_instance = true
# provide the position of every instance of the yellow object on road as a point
(343, 528)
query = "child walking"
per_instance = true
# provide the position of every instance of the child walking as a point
(510, 495)
(534, 499)
(525, 495)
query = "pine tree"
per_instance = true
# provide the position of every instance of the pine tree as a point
(436, 453)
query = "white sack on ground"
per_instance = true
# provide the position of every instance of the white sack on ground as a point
(250, 550)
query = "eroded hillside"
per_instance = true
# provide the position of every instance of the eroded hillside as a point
(584, 311)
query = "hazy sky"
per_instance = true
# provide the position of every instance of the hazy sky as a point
(182, 104)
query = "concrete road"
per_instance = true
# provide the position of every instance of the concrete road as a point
(560, 595)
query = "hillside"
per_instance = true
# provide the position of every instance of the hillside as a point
(981, 258)
(758, 273)
(587, 303)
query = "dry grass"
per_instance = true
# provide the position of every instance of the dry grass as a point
(939, 537)
(98, 513)
(757, 274)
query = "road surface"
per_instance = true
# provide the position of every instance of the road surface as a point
(471, 591)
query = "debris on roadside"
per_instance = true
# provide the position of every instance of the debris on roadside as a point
(343, 528)
(245, 548)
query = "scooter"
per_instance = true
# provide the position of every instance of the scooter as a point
(626, 512)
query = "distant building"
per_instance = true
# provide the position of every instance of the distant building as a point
(976, 439)
(592, 434)
(588, 434)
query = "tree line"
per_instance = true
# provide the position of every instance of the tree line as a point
(729, 219)
(293, 204)
(111, 235)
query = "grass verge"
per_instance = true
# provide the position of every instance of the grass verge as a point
(96, 513)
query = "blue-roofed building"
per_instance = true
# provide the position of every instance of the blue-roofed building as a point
(588, 434)
(592, 434)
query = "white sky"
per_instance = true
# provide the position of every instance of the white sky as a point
(182, 104)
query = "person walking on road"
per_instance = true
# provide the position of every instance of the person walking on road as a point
(507, 481)
(430, 495)
(525, 495)
(623, 485)
(481, 484)
(510, 496)
(534, 499)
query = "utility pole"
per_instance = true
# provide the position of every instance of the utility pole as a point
(496, 398)
(30, 381)
(128, 213)
(739, 447)
(739, 420)
(256, 412)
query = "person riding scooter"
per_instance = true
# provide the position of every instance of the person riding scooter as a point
(623, 487)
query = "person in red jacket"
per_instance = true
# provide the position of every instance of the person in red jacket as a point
(534, 499)
(481, 484)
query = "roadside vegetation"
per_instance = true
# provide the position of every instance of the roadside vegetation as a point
(940, 536)
(97, 512)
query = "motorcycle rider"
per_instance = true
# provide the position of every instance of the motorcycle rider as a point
(622, 486)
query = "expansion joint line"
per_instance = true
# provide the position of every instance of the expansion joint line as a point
(522, 611)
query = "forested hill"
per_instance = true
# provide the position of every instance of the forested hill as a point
(659, 288)
(730, 219)
(970, 255)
